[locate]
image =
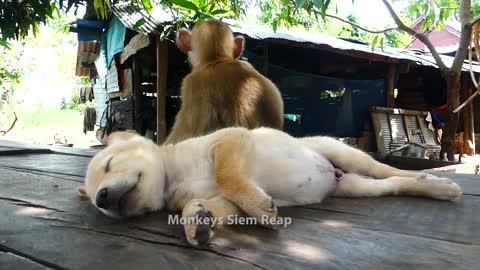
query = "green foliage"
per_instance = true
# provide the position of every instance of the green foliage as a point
(40, 116)
(475, 9)
(277, 14)
(19, 18)
(446, 8)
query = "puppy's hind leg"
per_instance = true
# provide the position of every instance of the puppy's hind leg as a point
(354, 185)
(352, 160)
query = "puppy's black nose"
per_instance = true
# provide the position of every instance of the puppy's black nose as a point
(102, 198)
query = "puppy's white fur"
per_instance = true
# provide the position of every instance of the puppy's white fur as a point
(292, 171)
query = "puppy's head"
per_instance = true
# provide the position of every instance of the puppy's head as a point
(127, 178)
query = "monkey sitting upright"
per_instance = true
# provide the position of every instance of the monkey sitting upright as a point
(222, 91)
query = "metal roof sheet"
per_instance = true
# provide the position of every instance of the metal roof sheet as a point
(263, 32)
(129, 14)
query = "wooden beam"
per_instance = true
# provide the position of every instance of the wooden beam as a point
(137, 94)
(266, 56)
(162, 73)
(467, 118)
(391, 85)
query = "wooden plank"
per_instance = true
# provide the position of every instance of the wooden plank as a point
(59, 164)
(468, 119)
(408, 131)
(8, 147)
(397, 111)
(382, 133)
(162, 76)
(42, 217)
(452, 222)
(390, 78)
(10, 261)
(4, 151)
(137, 93)
(397, 127)
(309, 242)
(266, 58)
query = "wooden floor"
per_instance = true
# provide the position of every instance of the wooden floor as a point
(44, 225)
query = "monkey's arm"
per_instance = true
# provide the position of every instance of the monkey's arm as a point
(189, 121)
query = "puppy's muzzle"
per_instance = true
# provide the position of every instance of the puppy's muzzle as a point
(113, 198)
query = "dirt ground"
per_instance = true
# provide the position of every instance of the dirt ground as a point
(69, 135)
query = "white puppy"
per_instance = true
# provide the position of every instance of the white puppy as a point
(236, 171)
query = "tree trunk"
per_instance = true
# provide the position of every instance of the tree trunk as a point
(452, 79)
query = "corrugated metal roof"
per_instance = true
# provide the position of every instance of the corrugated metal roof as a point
(129, 14)
(262, 32)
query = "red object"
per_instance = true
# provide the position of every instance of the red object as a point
(442, 108)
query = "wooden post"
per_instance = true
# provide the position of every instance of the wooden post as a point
(390, 85)
(137, 95)
(266, 56)
(162, 72)
(467, 118)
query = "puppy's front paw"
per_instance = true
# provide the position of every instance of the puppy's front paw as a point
(439, 187)
(199, 225)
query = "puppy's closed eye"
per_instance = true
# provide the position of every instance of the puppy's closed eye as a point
(107, 167)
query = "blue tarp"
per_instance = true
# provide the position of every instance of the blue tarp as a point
(113, 41)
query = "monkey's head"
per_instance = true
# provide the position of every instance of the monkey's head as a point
(126, 178)
(209, 41)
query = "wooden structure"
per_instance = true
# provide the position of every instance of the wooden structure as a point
(395, 127)
(45, 225)
(410, 79)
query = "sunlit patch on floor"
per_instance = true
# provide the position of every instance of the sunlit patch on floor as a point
(32, 211)
(307, 251)
(337, 224)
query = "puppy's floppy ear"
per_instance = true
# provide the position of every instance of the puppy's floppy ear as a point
(82, 192)
(120, 136)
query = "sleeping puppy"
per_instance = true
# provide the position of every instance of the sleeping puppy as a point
(235, 172)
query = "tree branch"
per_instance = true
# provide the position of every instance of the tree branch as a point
(422, 37)
(360, 27)
(465, 35)
(11, 125)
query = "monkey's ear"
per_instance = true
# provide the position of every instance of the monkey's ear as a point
(120, 136)
(238, 49)
(184, 40)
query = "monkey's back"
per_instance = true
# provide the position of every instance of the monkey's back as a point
(238, 95)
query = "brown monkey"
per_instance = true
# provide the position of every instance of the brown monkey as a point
(222, 91)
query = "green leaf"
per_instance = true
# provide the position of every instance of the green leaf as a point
(318, 4)
(381, 43)
(185, 4)
(218, 11)
(374, 42)
(147, 5)
(300, 4)
(139, 23)
(5, 44)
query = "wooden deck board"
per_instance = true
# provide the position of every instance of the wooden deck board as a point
(45, 225)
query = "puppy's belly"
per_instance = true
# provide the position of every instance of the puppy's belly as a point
(296, 176)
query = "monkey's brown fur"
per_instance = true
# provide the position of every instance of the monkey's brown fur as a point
(222, 91)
